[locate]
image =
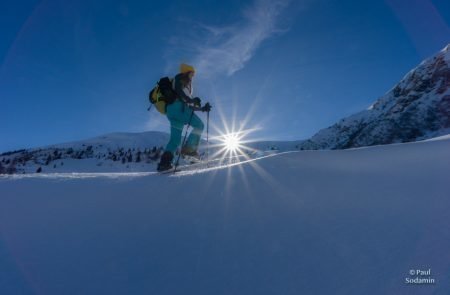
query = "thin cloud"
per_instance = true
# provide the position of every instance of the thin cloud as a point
(226, 50)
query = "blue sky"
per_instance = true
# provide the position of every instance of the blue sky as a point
(71, 70)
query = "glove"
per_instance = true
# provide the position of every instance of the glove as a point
(196, 101)
(206, 108)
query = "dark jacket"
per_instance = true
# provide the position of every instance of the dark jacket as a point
(183, 82)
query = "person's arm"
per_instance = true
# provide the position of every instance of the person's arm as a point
(179, 90)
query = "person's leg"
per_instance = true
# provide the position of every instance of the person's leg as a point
(180, 114)
(194, 137)
(176, 118)
(165, 162)
(176, 126)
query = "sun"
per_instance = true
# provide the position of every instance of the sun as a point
(231, 142)
(231, 146)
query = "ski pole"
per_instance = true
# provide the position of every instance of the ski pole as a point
(184, 141)
(207, 139)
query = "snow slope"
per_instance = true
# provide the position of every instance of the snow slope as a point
(311, 222)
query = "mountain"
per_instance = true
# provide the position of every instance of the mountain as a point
(307, 222)
(115, 152)
(106, 153)
(417, 108)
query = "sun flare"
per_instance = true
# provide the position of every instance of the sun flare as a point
(231, 142)
(232, 146)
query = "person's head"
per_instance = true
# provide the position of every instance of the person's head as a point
(187, 70)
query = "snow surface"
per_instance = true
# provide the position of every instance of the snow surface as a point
(311, 222)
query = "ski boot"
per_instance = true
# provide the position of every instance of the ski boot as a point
(166, 162)
(190, 154)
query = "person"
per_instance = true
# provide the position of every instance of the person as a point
(180, 113)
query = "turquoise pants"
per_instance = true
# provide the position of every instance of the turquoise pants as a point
(179, 114)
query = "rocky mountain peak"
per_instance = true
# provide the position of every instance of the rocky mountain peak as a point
(417, 108)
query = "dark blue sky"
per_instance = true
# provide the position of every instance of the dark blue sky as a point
(76, 69)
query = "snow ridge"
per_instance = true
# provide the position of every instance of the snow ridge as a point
(417, 108)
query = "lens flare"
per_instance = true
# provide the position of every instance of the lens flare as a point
(231, 142)
(231, 147)
(234, 139)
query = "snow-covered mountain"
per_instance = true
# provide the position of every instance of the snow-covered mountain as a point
(115, 152)
(336, 222)
(417, 108)
(110, 152)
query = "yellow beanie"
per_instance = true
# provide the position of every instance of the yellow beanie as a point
(184, 68)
